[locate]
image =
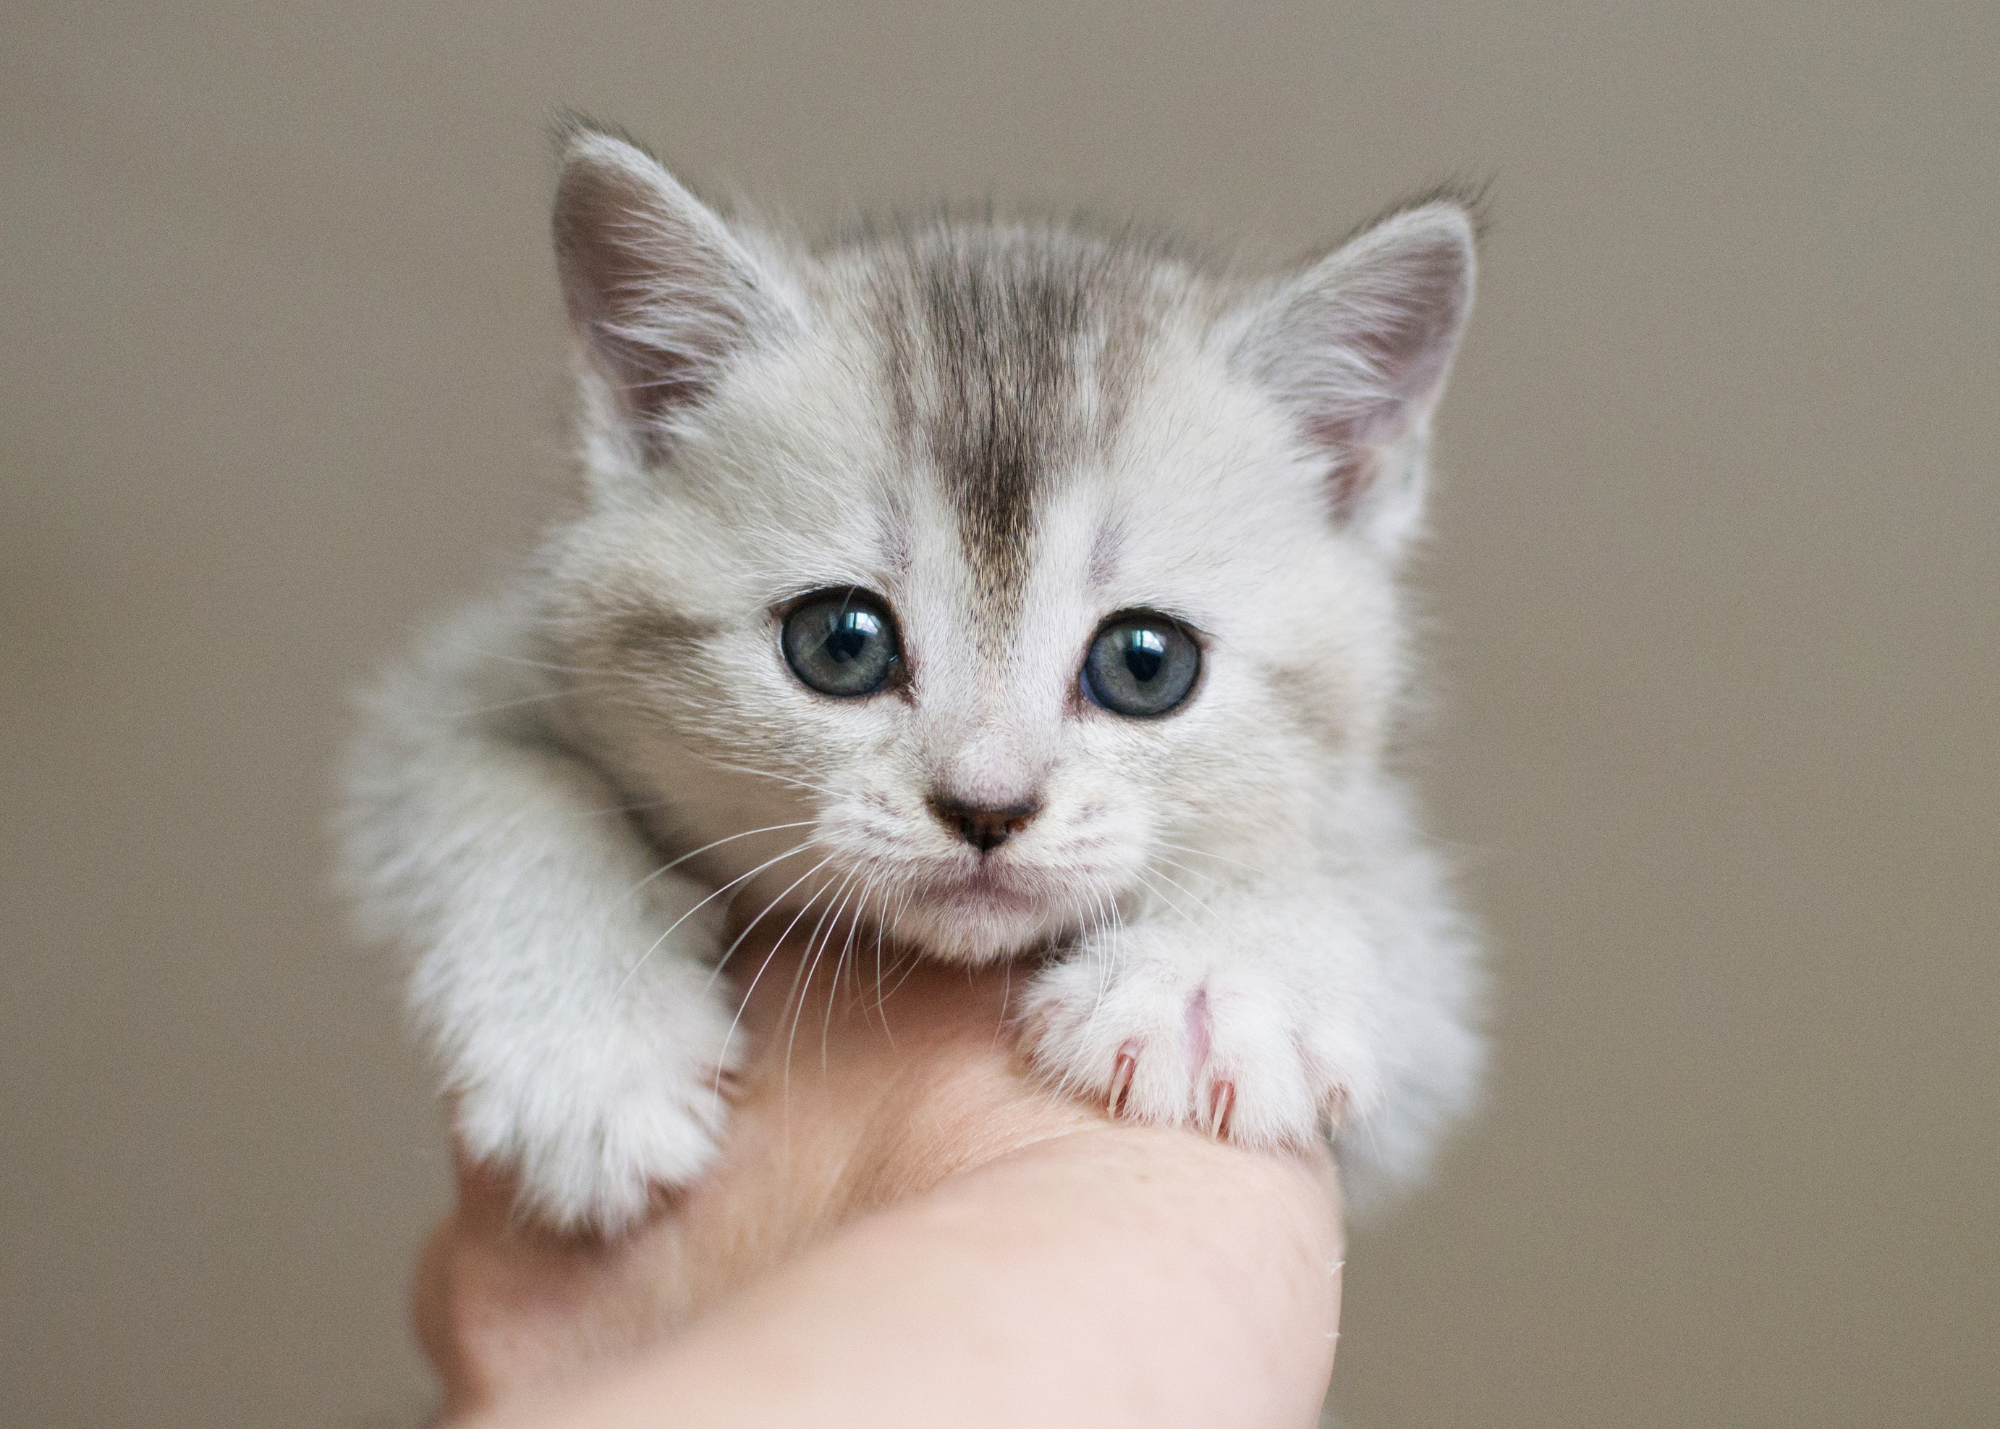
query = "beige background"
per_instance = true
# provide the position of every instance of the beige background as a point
(1714, 595)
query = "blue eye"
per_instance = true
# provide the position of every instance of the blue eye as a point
(1141, 664)
(841, 643)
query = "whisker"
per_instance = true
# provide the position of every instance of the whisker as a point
(853, 923)
(771, 774)
(904, 894)
(815, 951)
(551, 665)
(1157, 892)
(1206, 853)
(915, 960)
(879, 935)
(747, 833)
(730, 951)
(1109, 966)
(833, 995)
(743, 1002)
(808, 960)
(1006, 992)
(1199, 901)
(475, 711)
(1189, 869)
(612, 809)
(633, 970)
(780, 897)
(716, 1096)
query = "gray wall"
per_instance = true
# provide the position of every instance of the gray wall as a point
(1714, 603)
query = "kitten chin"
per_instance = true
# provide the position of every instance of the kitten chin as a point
(1003, 590)
(984, 926)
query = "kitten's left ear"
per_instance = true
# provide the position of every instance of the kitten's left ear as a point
(664, 295)
(1358, 346)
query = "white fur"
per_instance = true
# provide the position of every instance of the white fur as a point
(1231, 894)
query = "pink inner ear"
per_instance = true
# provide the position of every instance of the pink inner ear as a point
(653, 380)
(659, 306)
(1367, 339)
(1351, 431)
(1355, 431)
(1350, 476)
(1408, 349)
(621, 291)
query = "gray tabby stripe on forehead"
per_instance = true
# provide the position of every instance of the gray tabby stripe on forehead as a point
(1007, 360)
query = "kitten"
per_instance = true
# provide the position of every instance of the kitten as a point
(991, 590)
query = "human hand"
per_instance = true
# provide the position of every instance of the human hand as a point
(904, 1228)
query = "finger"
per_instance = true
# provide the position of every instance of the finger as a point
(435, 1313)
(485, 1193)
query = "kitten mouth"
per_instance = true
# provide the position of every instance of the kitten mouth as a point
(987, 889)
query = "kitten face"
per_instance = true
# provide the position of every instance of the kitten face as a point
(1005, 438)
(965, 591)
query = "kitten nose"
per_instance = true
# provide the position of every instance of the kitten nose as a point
(984, 828)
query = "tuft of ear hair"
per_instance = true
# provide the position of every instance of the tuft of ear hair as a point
(659, 290)
(1358, 344)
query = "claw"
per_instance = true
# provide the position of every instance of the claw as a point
(1221, 1104)
(1121, 1081)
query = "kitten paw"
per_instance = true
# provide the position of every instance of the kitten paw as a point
(1230, 1051)
(593, 1132)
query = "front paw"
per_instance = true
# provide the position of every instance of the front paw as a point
(1157, 1033)
(593, 1128)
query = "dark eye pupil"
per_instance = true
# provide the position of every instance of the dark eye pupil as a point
(1145, 655)
(850, 637)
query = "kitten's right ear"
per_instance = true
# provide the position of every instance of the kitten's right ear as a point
(658, 288)
(1358, 346)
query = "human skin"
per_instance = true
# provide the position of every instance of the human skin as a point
(904, 1229)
